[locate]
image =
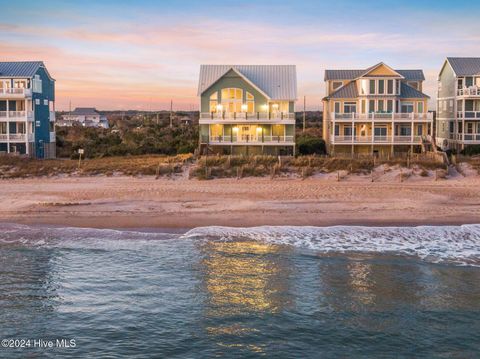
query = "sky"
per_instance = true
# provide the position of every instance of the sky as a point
(118, 55)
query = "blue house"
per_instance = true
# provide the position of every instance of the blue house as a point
(27, 109)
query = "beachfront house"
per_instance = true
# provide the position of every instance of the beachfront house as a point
(84, 116)
(458, 103)
(247, 109)
(27, 109)
(377, 110)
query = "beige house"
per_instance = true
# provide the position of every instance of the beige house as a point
(377, 110)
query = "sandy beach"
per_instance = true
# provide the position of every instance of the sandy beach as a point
(129, 202)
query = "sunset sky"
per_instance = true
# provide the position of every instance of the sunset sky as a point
(140, 54)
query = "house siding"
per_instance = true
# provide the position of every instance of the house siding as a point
(42, 114)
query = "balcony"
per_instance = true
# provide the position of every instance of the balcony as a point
(244, 117)
(16, 115)
(472, 115)
(16, 137)
(15, 92)
(252, 140)
(473, 91)
(384, 140)
(381, 117)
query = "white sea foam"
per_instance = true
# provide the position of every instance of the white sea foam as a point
(454, 244)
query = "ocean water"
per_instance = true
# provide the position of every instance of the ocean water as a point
(281, 292)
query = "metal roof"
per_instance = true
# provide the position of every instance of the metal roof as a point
(20, 68)
(407, 91)
(410, 75)
(347, 91)
(278, 82)
(465, 66)
(85, 111)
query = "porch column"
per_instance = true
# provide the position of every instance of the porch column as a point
(8, 128)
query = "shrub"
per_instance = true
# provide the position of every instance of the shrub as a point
(309, 145)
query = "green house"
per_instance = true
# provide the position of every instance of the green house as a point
(247, 109)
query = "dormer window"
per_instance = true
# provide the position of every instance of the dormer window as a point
(336, 85)
(413, 84)
(390, 87)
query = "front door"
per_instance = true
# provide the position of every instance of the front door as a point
(247, 133)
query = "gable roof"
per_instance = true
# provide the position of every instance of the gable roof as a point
(277, 82)
(20, 68)
(465, 66)
(376, 66)
(410, 75)
(85, 111)
(407, 91)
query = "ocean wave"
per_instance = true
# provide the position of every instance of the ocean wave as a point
(453, 244)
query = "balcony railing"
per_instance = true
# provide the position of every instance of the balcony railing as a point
(405, 117)
(472, 137)
(469, 91)
(469, 114)
(247, 139)
(52, 116)
(377, 139)
(18, 137)
(15, 92)
(23, 115)
(247, 116)
(52, 137)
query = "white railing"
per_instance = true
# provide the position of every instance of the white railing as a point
(3, 137)
(469, 91)
(468, 114)
(16, 115)
(18, 137)
(15, 91)
(246, 116)
(381, 116)
(248, 139)
(377, 139)
(52, 137)
(472, 137)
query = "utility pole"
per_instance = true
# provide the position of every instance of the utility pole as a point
(304, 108)
(171, 113)
(70, 107)
(157, 118)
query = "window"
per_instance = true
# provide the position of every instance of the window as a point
(390, 87)
(380, 106)
(407, 107)
(364, 86)
(413, 84)
(420, 130)
(469, 81)
(45, 102)
(381, 87)
(336, 85)
(337, 107)
(250, 103)
(364, 106)
(347, 131)
(380, 131)
(37, 123)
(389, 106)
(337, 130)
(398, 87)
(451, 126)
(405, 131)
(213, 102)
(37, 101)
(232, 99)
(460, 128)
(349, 107)
(372, 87)
(37, 84)
(420, 107)
(469, 127)
(371, 106)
